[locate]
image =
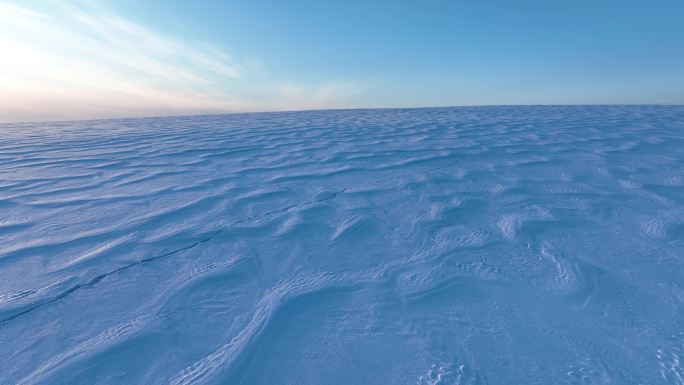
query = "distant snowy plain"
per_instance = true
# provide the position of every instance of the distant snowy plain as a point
(484, 245)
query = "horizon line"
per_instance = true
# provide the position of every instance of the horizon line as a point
(145, 117)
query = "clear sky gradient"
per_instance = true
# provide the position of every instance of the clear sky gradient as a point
(92, 59)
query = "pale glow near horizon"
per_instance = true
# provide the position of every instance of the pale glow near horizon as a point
(77, 63)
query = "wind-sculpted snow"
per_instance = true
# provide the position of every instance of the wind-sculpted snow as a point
(488, 245)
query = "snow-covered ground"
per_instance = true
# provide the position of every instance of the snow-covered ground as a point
(486, 245)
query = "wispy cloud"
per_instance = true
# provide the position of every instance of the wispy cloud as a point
(75, 62)
(69, 62)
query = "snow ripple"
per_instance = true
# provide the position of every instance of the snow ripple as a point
(431, 246)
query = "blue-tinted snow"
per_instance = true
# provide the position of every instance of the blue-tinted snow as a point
(489, 245)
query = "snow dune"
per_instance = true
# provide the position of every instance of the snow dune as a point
(483, 245)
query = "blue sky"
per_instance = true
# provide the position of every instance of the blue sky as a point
(85, 59)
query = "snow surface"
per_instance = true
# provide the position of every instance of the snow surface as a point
(486, 245)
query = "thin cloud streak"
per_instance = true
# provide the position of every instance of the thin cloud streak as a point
(73, 63)
(89, 63)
